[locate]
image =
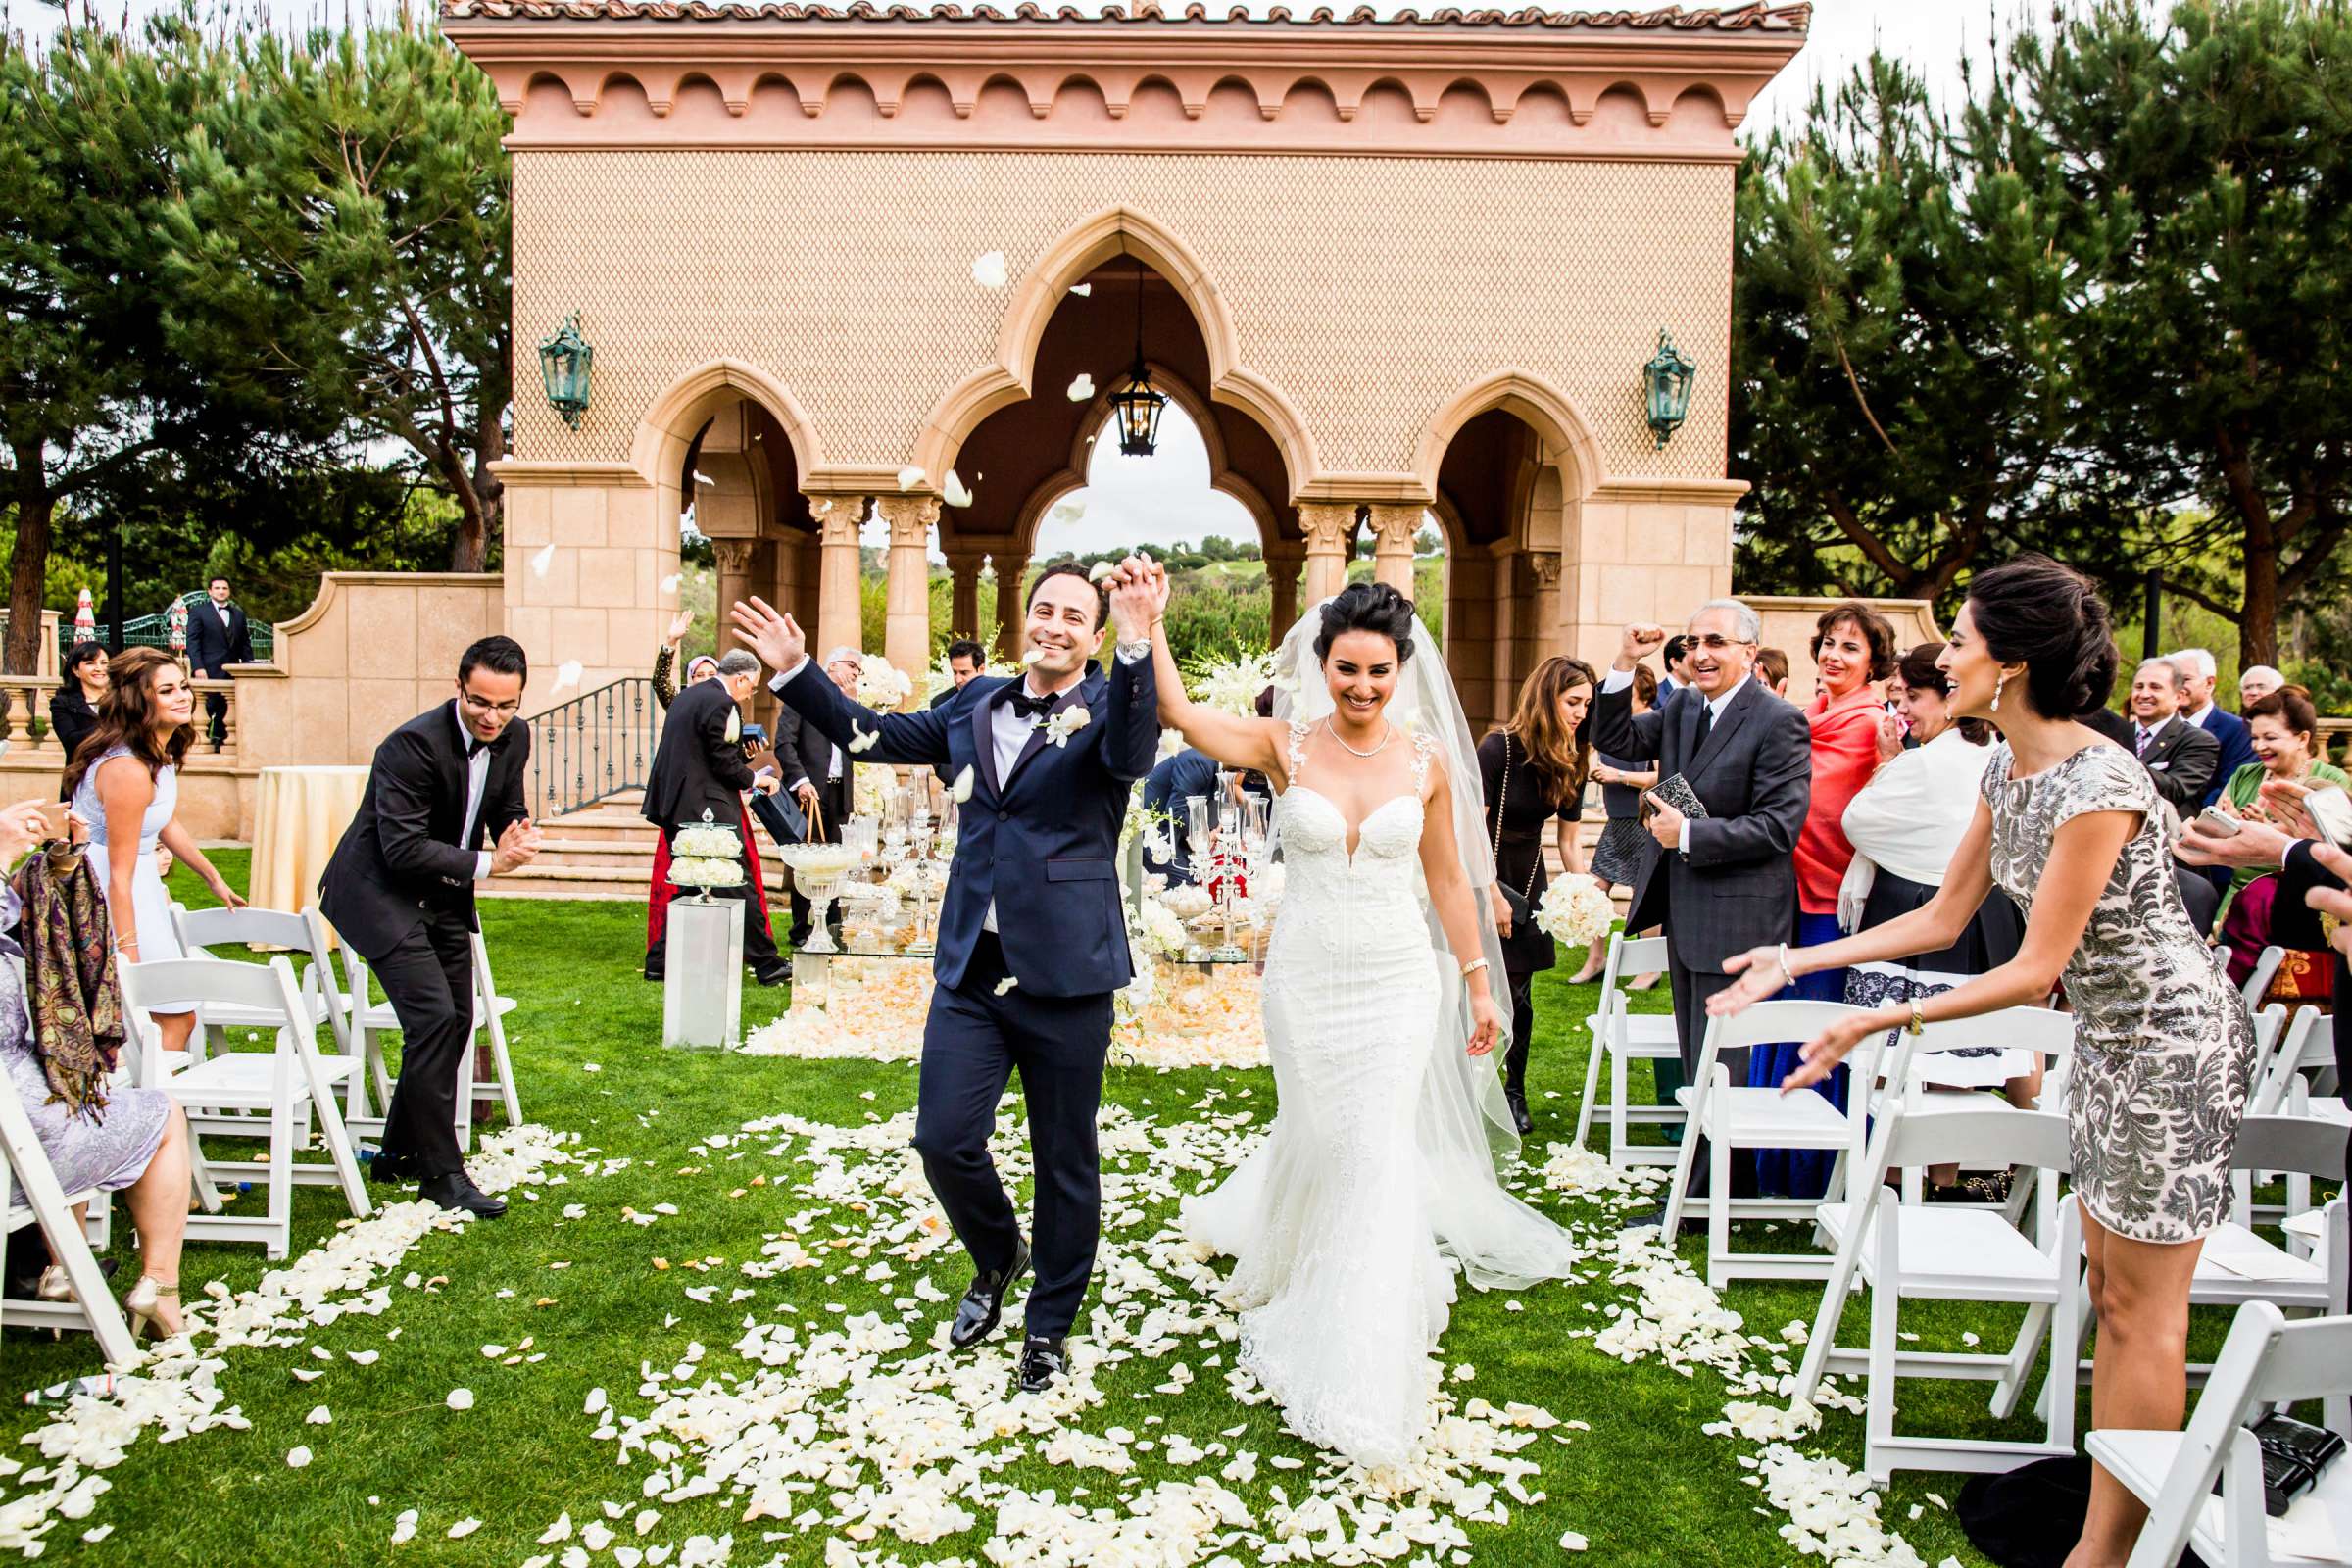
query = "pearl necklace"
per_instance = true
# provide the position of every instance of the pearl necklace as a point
(1386, 737)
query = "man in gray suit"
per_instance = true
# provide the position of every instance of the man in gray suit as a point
(1726, 882)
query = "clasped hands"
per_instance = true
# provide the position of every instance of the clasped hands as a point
(516, 846)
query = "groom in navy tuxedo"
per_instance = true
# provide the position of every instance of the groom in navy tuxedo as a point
(1032, 938)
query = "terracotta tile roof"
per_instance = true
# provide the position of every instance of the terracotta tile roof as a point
(1757, 18)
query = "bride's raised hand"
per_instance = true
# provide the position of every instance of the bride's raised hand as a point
(1486, 1024)
(1760, 978)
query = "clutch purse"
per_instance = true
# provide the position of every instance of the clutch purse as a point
(1675, 792)
(2293, 1453)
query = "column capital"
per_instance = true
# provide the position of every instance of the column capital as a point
(909, 517)
(734, 555)
(1329, 524)
(1545, 564)
(838, 515)
(1395, 524)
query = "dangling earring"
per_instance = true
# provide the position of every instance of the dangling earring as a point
(1996, 692)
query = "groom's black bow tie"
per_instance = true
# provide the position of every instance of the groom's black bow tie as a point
(1027, 706)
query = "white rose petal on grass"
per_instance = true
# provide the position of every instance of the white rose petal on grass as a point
(961, 790)
(463, 1528)
(545, 559)
(1082, 389)
(988, 269)
(1006, 984)
(297, 1456)
(404, 1528)
(909, 476)
(320, 1416)
(461, 1399)
(1572, 1541)
(957, 494)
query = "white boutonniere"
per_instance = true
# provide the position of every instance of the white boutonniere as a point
(1066, 723)
(734, 726)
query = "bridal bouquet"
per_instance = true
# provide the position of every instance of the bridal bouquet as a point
(1575, 912)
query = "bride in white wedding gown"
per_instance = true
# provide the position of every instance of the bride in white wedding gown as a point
(1378, 1181)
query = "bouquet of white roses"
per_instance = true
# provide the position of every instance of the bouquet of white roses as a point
(882, 684)
(1575, 912)
(1230, 685)
(708, 841)
(1162, 929)
(706, 872)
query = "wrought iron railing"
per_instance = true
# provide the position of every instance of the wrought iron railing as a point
(592, 748)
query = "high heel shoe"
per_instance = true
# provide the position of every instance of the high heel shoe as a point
(144, 1307)
(54, 1285)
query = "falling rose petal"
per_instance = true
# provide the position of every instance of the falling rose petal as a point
(957, 494)
(545, 559)
(461, 1399)
(962, 789)
(567, 673)
(297, 1457)
(1082, 389)
(1033, 655)
(669, 584)
(1006, 984)
(1099, 571)
(1082, 290)
(909, 476)
(864, 740)
(988, 269)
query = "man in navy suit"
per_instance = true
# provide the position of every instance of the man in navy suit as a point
(2197, 674)
(1049, 759)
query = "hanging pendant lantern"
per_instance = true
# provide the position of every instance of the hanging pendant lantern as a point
(1137, 404)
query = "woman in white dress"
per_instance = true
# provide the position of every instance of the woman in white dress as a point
(1378, 1178)
(125, 783)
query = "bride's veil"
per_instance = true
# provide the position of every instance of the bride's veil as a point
(1464, 1125)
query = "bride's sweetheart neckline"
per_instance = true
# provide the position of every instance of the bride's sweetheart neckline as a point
(1353, 838)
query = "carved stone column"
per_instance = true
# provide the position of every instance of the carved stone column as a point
(964, 604)
(734, 558)
(907, 628)
(1330, 529)
(1549, 616)
(838, 517)
(1393, 531)
(1010, 571)
(1282, 576)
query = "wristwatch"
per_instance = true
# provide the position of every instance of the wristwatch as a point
(1129, 653)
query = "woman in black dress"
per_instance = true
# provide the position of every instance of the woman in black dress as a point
(1617, 858)
(74, 706)
(1533, 771)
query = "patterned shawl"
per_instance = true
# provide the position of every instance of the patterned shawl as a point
(78, 1018)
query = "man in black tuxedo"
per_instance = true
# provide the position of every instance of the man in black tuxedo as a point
(2179, 755)
(819, 771)
(699, 772)
(218, 636)
(966, 659)
(1726, 882)
(400, 890)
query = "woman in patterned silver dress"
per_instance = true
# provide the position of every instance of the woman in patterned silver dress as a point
(2068, 828)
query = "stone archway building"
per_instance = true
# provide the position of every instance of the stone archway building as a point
(1388, 265)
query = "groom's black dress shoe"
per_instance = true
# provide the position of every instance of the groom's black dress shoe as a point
(390, 1169)
(455, 1190)
(1519, 1116)
(775, 974)
(1042, 1361)
(983, 1305)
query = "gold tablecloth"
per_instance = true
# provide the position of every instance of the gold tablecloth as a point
(297, 820)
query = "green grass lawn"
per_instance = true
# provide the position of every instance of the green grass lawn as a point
(1643, 1484)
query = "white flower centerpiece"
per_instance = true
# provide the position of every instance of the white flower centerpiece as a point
(818, 869)
(882, 684)
(705, 855)
(1575, 912)
(702, 992)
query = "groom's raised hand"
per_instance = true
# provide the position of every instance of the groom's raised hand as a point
(776, 638)
(1135, 599)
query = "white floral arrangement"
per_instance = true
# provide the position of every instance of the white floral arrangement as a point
(1188, 900)
(882, 684)
(705, 871)
(1162, 929)
(1230, 685)
(1576, 912)
(710, 841)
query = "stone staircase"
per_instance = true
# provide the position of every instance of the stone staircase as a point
(605, 851)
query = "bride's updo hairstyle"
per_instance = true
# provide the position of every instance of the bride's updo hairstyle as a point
(1372, 606)
(2049, 617)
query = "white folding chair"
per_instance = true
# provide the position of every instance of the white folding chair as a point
(490, 1011)
(251, 1094)
(305, 934)
(2307, 1051)
(2266, 969)
(1951, 1252)
(371, 1020)
(1624, 1035)
(2266, 1361)
(47, 1205)
(1733, 1116)
(2044, 1031)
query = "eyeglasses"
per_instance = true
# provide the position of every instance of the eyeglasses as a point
(1715, 644)
(482, 704)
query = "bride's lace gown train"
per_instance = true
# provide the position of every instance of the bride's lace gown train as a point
(1335, 1219)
